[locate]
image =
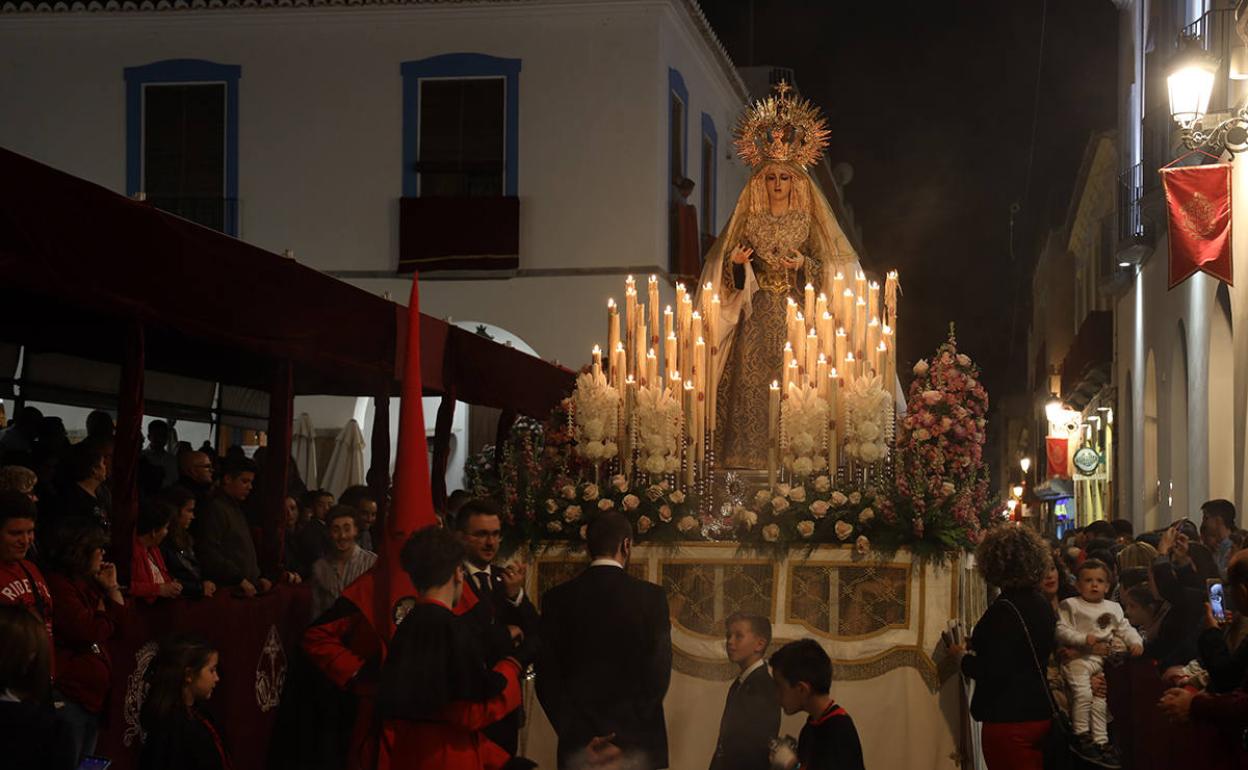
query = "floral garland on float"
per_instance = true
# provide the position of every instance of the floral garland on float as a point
(845, 469)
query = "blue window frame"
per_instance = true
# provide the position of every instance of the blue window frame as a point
(453, 66)
(678, 131)
(710, 172)
(186, 72)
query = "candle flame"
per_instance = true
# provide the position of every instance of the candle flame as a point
(849, 357)
(840, 332)
(882, 347)
(810, 287)
(888, 329)
(597, 350)
(832, 375)
(862, 302)
(839, 276)
(688, 384)
(812, 333)
(775, 385)
(874, 284)
(650, 354)
(619, 347)
(715, 299)
(823, 359)
(823, 297)
(654, 278)
(827, 316)
(875, 321)
(847, 293)
(788, 347)
(611, 303)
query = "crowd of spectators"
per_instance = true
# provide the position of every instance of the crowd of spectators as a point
(1072, 608)
(196, 535)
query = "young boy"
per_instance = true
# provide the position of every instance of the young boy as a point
(751, 714)
(829, 741)
(1091, 624)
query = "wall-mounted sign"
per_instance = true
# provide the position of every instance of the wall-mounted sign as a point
(1087, 460)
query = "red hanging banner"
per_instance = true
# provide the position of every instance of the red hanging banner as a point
(1198, 205)
(1057, 449)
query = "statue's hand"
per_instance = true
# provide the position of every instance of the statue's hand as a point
(741, 255)
(796, 262)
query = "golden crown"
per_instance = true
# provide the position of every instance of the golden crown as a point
(781, 128)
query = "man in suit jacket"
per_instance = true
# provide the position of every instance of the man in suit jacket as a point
(752, 713)
(606, 656)
(504, 616)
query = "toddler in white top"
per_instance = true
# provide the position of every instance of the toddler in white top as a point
(1091, 624)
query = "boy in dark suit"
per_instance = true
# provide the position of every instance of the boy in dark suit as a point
(829, 741)
(751, 714)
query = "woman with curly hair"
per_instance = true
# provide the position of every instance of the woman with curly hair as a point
(1008, 650)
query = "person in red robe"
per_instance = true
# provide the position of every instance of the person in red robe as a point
(437, 692)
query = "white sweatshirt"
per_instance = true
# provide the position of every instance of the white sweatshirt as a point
(1077, 617)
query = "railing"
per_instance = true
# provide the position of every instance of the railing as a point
(220, 214)
(1214, 33)
(1130, 193)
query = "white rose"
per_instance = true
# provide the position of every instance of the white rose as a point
(862, 544)
(593, 428)
(746, 518)
(551, 505)
(855, 498)
(569, 492)
(677, 497)
(554, 526)
(590, 492)
(802, 466)
(594, 450)
(947, 489)
(656, 463)
(644, 524)
(839, 499)
(630, 502)
(573, 513)
(797, 494)
(606, 504)
(761, 497)
(963, 359)
(806, 528)
(819, 509)
(779, 504)
(687, 524)
(867, 515)
(844, 529)
(803, 442)
(782, 490)
(665, 513)
(610, 449)
(771, 533)
(921, 367)
(868, 430)
(823, 484)
(620, 482)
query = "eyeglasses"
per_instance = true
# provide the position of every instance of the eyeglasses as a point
(483, 535)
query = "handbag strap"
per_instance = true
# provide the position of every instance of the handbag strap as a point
(1044, 680)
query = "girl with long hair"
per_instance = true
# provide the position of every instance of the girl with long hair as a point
(179, 734)
(29, 730)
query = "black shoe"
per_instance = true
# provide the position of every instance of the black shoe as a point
(1109, 757)
(1086, 749)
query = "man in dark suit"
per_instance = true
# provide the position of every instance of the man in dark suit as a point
(752, 713)
(503, 615)
(606, 656)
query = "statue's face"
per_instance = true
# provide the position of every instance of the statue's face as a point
(779, 183)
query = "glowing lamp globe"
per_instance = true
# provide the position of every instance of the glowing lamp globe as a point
(1190, 85)
(1025, 464)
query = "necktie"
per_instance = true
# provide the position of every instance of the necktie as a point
(483, 584)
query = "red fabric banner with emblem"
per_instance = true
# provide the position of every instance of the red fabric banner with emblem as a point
(1198, 205)
(1057, 449)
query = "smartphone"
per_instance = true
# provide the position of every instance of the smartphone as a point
(94, 763)
(1215, 600)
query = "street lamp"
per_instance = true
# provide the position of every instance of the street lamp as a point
(1025, 464)
(1190, 85)
(1053, 408)
(1018, 491)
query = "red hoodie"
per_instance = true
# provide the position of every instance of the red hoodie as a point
(15, 588)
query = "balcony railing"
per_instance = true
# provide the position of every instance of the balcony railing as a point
(1214, 33)
(1130, 193)
(220, 214)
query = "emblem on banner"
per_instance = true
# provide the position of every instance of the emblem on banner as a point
(1198, 217)
(136, 691)
(270, 672)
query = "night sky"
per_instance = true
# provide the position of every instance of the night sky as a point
(932, 104)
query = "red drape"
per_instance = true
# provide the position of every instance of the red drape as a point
(1198, 205)
(128, 442)
(1057, 449)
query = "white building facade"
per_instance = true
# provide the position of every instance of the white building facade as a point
(309, 127)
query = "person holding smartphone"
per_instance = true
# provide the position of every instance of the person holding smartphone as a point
(1222, 644)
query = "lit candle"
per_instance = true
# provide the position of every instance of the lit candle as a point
(793, 379)
(846, 314)
(821, 305)
(890, 298)
(618, 366)
(812, 354)
(873, 299)
(809, 305)
(684, 321)
(690, 420)
(890, 356)
(653, 296)
(708, 290)
(838, 288)
(860, 326)
(597, 365)
(881, 368)
(630, 323)
(821, 376)
(834, 410)
(669, 354)
(699, 365)
(639, 334)
(798, 333)
(669, 322)
(652, 371)
(873, 343)
(712, 325)
(851, 366)
(827, 339)
(860, 283)
(613, 332)
(773, 433)
(790, 316)
(693, 365)
(842, 345)
(630, 393)
(789, 355)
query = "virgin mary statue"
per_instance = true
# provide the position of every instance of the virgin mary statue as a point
(782, 235)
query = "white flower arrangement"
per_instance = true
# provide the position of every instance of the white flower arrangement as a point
(804, 421)
(596, 405)
(867, 415)
(658, 430)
